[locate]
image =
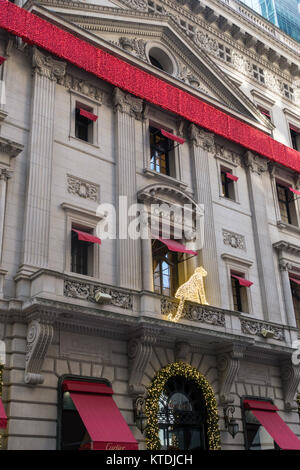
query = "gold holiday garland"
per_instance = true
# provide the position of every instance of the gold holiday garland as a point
(152, 403)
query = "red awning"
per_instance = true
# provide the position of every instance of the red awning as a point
(242, 281)
(231, 176)
(101, 416)
(174, 245)
(3, 417)
(297, 281)
(295, 191)
(266, 414)
(88, 115)
(2, 59)
(86, 237)
(294, 128)
(172, 136)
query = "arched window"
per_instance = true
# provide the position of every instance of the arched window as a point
(182, 416)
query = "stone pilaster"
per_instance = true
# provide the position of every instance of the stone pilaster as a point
(285, 267)
(5, 174)
(255, 167)
(37, 213)
(202, 143)
(127, 109)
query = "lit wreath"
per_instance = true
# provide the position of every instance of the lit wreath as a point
(152, 406)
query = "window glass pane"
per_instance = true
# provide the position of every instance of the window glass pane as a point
(257, 436)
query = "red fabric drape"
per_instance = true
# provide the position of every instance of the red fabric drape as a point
(88, 115)
(230, 176)
(174, 245)
(242, 281)
(3, 417)
(172, 136)
(87, 237)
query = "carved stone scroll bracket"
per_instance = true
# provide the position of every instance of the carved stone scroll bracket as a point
(39, 338)
(228, 364)
(139, 354)
(182, 351)
(290, 377)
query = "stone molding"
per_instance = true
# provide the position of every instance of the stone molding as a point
(201, 138)
(81, 86)
(126, 103)
(10, 147)
(290, 376)
(140, 348)
(39, 338)
(256, 328)
(193, 312)
(82, 188)
(228, 364)
(255, 163)
(228, 155)
(48, 67)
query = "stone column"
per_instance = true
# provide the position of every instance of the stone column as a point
(255, 167)
(127, 109)
(202, 143)
(5, 174)
(285, 267)
(147, 265)
(37, 211)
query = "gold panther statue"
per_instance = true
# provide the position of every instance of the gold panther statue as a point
(192, 290)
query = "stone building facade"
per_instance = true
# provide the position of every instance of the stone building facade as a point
(52, 181)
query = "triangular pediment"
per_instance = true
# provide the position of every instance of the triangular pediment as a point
(134, 35)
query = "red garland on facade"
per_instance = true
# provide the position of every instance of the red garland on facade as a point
(39, 32)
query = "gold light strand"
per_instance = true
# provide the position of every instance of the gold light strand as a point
(152, 403)
(192, 290)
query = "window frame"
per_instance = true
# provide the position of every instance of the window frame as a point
(173, 282)
(296, 313)
(61, 379)
(229, 184)
(291, 216)
(241, 293)
(78, 100)
(234, 264)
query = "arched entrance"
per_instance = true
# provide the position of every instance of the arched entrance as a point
(181, 411)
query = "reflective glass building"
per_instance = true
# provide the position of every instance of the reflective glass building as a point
(282, 13)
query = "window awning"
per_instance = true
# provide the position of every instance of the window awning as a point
(242, 281)
(294, 191)
(230, 176)
(87, 237)
(174, 245)
(266, 413)
(297, 281)
(2, 59)
(172, 136)
(294, 128)
(88, 115)
(3, 417)
(102, 418)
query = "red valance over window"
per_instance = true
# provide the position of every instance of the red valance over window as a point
(295, 191)
(294, 128)
(102, 418)
(230, 176)
(88, 115)
(242, 281)
(2, 59)
(266, 413)
(172, 136)
(3, 417)
(87, 237)
(297, 281)
(174, 245)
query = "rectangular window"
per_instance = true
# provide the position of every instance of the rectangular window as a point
(224, 53)
(83, 125)
(258, 73)
(256, 436)
(239, 294)
(227, 184)
(286, 205)
(162, 153)
(288, 91)
(81, 253)
(265, 112)
(165, 269)
(295, 137)
(295, 288)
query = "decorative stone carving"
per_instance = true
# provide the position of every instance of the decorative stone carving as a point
(255, 163)
(82, 188)
(290, 376)
(193, 312)
(182, 351)
(87, 291)
(5, 174)
(139, 354)
(206, 42)
(187, 76)
(127, 103)
(141, 5)
(228, 364)
(39, 338)
(201, 138)
(285, 265)
(257, 328)
(9, 147)
(81, 86)
(47, 66)
(134, 46)
(226, 154)
(234, 239)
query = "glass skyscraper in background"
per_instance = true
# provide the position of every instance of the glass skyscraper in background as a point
(282, 13)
